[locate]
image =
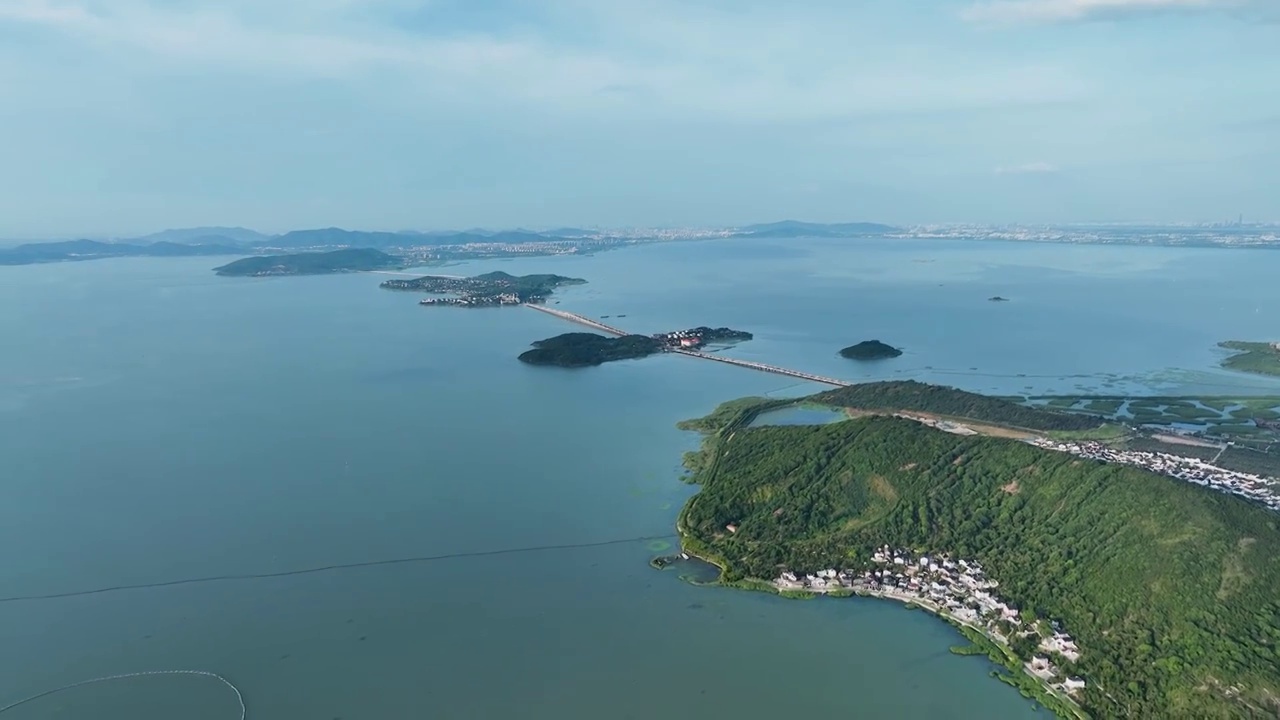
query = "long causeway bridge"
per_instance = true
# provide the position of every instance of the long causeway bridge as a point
(762, 367)
(576, 318)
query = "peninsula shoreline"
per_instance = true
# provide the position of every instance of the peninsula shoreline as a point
(1036, 689)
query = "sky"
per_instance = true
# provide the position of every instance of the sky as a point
(121, 117)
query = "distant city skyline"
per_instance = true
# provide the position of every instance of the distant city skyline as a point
(125, 117)
(1227, 232)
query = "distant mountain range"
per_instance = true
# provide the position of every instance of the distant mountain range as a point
(187, 242)
(205, 236)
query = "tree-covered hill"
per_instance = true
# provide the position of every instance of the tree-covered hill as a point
(315, 263)
(940, 400)
(870, 350)
(586, 349)
(1172, 591)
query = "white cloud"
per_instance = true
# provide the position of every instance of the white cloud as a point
(1050, 11)
(673, 57)
(1035, 168)
(43, 12)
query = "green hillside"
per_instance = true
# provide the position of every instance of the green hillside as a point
(312, 263)
(940, 400)
(1171, 590)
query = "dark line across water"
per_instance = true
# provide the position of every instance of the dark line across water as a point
(331, 568)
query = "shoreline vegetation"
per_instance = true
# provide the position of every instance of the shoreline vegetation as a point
(1071, 542)
(1013, 671)
(1259, 358)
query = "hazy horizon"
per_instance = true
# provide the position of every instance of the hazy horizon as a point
(156, 233)
(131, 115)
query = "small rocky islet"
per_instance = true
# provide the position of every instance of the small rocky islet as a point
(870, 350)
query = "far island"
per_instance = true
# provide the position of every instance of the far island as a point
(586, 349)
(310, 263)
(79, 250)
(1261, 358)
(870, 350)
(997, 298)
(487, 290)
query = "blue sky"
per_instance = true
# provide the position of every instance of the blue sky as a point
(126, 116)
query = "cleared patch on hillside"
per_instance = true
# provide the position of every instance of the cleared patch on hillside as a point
(882, 488)
(1234, 575)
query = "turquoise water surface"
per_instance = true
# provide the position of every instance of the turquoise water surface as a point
(158, 422)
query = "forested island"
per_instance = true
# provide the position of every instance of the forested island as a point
(1170, 593)
(1262, 358)
(588, 349)
(870, 350)
(997, 298)
(310, 263)
(487, 290)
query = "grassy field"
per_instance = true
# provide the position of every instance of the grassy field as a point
(1107, 406)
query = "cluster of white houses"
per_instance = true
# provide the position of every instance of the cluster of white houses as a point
(1247, 485)
(958, 589)
(468, 300)
(688, 339)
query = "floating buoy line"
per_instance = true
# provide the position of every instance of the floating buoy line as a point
(332, 568)
(244, 711)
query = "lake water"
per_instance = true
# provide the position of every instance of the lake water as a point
(158, 422)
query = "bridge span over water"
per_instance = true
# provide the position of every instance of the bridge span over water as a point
(576, 318)
(762, 367)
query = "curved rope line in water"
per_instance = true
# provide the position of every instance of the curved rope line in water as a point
(244, 711)
(330, 568)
